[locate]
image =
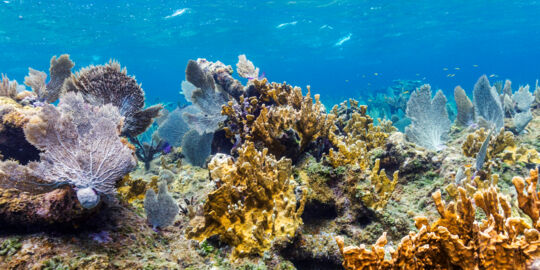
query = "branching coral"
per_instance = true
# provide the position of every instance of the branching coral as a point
(81, 147)
(457, 241)
(59, 71)
(355, 137)
(471, 146)
(378, 191)
(110, 84)
(254, 206)
(278, 117)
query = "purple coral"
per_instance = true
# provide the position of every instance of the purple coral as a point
(81, 147)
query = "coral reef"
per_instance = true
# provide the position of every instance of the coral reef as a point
(254, 205)
(110, 84)
(81, 147)
(456, 240)
(430, 123)
(358, 136)
(280, 118)
(146, 152)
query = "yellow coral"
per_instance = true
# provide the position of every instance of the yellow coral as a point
(360, 136)
(378, 191)
(254, 205)
(457, 241)
(280, 119)
(497, 144)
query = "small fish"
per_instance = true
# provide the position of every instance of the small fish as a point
(343, 40)
(417, 74)
(326, 26)
(376, 74)
(346, 80)
(450, 75)
(475, 65)
(286, 24)
(457, 68)
(178, 12)
(445, 69)
(493, 76)
(468, 165)
(406, 92)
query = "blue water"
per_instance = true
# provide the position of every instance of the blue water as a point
(388, 40)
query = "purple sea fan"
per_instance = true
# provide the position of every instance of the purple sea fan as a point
(81, 146)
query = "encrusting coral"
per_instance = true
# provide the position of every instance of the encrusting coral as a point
(254, 205)
(457, 241)
(110, 84)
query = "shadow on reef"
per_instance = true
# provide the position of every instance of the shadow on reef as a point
(18, 147)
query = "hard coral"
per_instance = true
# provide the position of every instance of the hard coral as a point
(278, 117)
(355, 137)
(254, 206)
(110, 84)
(457, 241)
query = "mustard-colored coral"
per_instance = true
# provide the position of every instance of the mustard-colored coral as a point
(254, 205)
(497, 144)
(378, 191)
(457, 240)
(280, 118)
(359, 136)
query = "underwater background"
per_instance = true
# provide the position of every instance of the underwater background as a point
(262, 135)
(293, 41)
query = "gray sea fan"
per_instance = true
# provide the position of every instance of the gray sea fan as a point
(521, 120)
(206, 98)
(161, 210)
(110, 84)
(487, 103)
(81, 146)
(429, 118)
(196, 148)
(523, 99)
(187, 90)
(59, 71)
(465, 115)
(173, 128)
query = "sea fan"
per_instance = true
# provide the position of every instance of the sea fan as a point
(430, 123)
(110, 84)
(81, 147)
